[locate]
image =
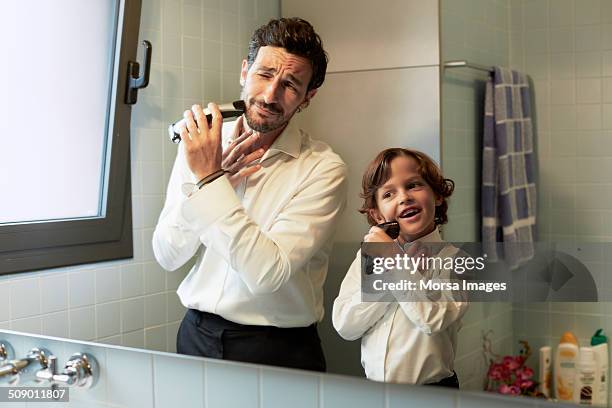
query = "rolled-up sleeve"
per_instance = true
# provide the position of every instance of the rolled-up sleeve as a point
(352, 317)
(266, 259)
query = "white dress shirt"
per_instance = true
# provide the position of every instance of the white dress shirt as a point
(264, 246)
(402, 342)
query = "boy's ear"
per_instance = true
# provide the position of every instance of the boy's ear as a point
(376, 215)
(439, 201)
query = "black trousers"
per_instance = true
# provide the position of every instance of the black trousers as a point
(451, 382)
(209, 335)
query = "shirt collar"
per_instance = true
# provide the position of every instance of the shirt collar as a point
(288, 142)
(433, 236)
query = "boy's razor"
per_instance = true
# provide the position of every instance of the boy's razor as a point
(228, 110)
(391, 228)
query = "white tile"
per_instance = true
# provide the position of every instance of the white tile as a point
(589, 117)
(25, 298)
(536, 42)
(81, 286)
(4, 301)
(211, 25)
(54, 293)
(83, 323)
(133, 339)
(607, 90)
(155, 338)
(231, 59)
(247, 8)
(562, 66)
(151, 15)
(562, 92)
(151, 209)
(353, 392)
(588, 91)
(192, 21)
(301, 389)
(211, 52)
(230, 6)
(230, 86)
(137, 245)
(147, 113)
(178, 382)
(607, 37)
(108, 319)
(172, 82)
(147, 145)
(171, 334)
(537, 66)
(132, 314)
(588, 64)
(171, 18)
(192, 52)
(108, 284)
(561, 40)
(535, 14)
(563, 117)
(562, 14)
(121, 365)
(229, 29)
(212, 4)
(192, 83)
(154, 278)
(607, 116)
(172, 50)
(176, 310)
(223, 379)
(132, 280)
(212, 85)
(31, 325)
(155, 310)
(588, 38)
(147, 248)
(155, 79)
(607, 63)
(588, 12)
(56, 324)
(152, 182)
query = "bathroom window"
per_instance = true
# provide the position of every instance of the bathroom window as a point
(64, 132)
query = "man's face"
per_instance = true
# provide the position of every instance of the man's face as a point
(274, 87)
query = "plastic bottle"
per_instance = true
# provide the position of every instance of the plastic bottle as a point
(565, 367)
(546, 371)
(599, 344)
(587, 376)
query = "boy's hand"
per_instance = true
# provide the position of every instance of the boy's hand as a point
(376, 234)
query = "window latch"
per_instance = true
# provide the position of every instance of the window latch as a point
(135, 82)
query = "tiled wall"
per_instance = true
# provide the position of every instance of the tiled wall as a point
(476, 31)
(198, 46)
(140, 378)
(566, 47)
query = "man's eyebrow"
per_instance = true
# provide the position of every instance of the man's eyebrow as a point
(271, 70)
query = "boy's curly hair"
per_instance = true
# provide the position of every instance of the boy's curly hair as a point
(379, 171)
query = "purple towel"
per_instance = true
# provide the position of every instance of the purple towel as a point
(508, 169)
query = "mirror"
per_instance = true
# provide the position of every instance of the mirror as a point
(375, 95)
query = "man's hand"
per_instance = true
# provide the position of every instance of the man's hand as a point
(202, 144)
(239, 156)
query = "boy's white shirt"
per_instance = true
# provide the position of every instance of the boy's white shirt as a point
(402, 342)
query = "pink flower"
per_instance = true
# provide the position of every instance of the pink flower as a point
(525, 384)
(497, 372)
(512, 363)
(509, 389)
(524, 373)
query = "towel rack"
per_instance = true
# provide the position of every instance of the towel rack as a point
(463, 63)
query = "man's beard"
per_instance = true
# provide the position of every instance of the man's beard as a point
(265, 126)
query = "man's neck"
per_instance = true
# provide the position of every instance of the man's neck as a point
(266, 139)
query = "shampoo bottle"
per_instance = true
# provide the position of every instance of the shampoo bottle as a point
(545, 371)
(599, 344)
(565, 367)
(586, 381)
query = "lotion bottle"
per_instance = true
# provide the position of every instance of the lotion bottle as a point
(599, 344)
(565, 367)
(546, 371)
(586, 381)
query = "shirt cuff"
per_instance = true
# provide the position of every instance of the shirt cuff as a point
(210, 203)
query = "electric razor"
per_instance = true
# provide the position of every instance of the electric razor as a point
(228, 110)
(391, 228)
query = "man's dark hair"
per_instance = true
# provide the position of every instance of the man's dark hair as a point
(298, 37)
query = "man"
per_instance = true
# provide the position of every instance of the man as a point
(264, 225)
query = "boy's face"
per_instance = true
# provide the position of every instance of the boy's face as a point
(407, 199)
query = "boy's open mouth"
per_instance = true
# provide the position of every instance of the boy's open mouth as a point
(409, 212)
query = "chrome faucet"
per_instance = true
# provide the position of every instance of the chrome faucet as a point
(26, 368)
(81, 371)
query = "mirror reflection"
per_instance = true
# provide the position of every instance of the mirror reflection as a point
(263, 259)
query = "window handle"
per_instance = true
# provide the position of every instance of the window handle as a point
(135, 82)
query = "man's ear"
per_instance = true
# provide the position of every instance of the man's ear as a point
(309, 95)
(376, 215)
(243, 72)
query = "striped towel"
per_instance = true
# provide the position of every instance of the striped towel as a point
(508, 169)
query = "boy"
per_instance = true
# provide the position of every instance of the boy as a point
(404, 342)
